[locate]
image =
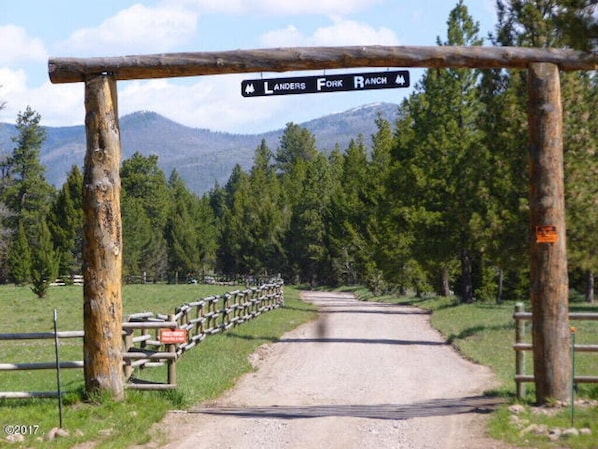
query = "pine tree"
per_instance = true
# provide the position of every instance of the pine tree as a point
(402, 216)
(137, 234)
(26, 193)
(206, 230)
(266, 216)
(44, 260)
(379, 223)
(19, 257)
(231, 222)
(577, 21)
(580, 92)
(443, 161)
(503, 229)
(549, 23)
(296, 144)
(349, 217)
(191, 232)
(66, 222)
(146, 206)
(307, 240)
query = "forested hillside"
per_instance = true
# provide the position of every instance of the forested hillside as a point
(434, 201)
(202, 157)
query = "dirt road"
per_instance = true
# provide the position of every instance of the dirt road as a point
(364, 375)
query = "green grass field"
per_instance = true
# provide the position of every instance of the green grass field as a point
(203, 373)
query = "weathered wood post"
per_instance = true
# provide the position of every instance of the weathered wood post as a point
(171, 363)
(549, 279)
(520, 355)
(102, 252)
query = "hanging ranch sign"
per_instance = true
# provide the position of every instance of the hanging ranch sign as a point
(325, 83)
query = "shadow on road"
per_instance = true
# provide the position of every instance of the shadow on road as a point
(376, 341)
(434, 407)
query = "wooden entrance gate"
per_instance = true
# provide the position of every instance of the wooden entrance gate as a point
(103, 228)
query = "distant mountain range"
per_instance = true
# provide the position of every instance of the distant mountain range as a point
(201, 157)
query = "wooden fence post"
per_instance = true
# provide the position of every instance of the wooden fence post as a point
(520, 355)
(102, 249)
(549, 279)
(171, 363)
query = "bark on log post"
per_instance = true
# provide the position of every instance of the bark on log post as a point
(549, 279)
(102, 252)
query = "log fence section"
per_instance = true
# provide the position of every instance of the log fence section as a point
(142, 347)
(76, 364)
(521, 346)
(200, 319)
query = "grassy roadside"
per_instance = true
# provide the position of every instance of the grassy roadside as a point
(484, 333)
(202, 374)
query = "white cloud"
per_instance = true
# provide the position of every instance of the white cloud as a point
(284, 37)
(212, 102)
(58, 105)
(16, 46)
(138, 29)
(12, 82)
(349, 32)
(342, 32)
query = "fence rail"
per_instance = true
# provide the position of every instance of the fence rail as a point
(521, 346)
(142, 344)
(199, 319)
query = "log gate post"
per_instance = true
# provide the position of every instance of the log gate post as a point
(102, 249)
(549, 278)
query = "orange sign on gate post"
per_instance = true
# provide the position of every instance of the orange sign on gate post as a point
(546, 234)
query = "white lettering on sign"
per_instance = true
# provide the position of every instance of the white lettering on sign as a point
(360, 82)
(168, 336)
(400, 80)
(328, 84)
(283, 86)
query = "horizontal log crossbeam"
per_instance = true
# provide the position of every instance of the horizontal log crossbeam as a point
(73, 70)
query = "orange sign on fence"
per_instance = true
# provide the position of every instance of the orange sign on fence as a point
(169, 336)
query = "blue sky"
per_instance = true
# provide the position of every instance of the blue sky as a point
(32, 31)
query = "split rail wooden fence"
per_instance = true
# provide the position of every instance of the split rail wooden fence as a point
(142, 343)
(521, 345)
(199, 319)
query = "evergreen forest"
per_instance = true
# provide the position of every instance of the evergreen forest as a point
(436, 202)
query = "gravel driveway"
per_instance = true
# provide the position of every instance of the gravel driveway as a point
(364, 375)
